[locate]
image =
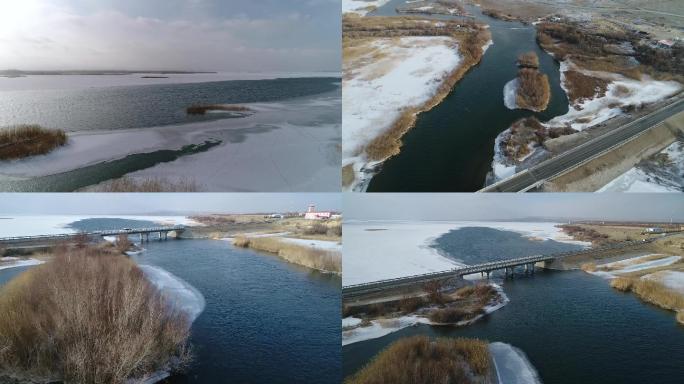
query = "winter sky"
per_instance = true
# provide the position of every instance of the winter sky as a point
(162, 203)
(502, 206)
(211, 35)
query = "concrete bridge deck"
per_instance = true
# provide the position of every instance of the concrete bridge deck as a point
(67, 237)
(528, 262)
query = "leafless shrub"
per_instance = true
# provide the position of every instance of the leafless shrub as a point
(88, 317)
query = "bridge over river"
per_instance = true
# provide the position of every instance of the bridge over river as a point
(54, 239)
(508, 265)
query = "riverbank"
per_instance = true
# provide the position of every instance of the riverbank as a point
(393, 69)
(655, 274)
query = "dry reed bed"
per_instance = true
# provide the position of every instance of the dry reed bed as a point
(150, 184)
(653, 292)
(21, 141)
(470, 35)
(419, 359)
(322, 260)
(88, 316)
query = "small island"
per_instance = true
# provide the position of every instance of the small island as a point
(425, 360)
(531, 89)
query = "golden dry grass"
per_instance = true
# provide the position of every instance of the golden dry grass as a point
(202, 109)
(528, 60)
(623, 284)
(21, 141)
(87, 316)
(149, 184)
(319, 259)
(588, 267)
(582, 87)
(123, 244)
(347, 175)
(651, 291)
(419, 359)
(534, 91)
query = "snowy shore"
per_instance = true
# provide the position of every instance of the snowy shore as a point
(14, 262)
(361, 8)
(287, 146)
(407, 75)
(353, 331)
(668, 177)
(621, 93)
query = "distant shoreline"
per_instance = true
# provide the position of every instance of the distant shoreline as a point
(17, 73)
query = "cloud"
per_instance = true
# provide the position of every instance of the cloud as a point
(56, 36)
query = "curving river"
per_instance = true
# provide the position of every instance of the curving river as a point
(451, 147)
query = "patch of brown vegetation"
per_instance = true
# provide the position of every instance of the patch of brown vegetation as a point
(534, 91)
(528, 60)
(149, 184)
(582, 87)
(471, 36)
(21, 141)
(422, 360)
(623, 284)
(581, 233)
(498, 14)
(88, 317)
(651, 291)
(202, 109)
(347, 175)
(322, 260)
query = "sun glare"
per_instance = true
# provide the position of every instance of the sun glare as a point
(16, 15)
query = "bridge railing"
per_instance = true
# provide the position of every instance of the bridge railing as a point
(93, 233)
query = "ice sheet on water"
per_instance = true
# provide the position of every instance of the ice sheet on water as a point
(512, 365)
(180, 294)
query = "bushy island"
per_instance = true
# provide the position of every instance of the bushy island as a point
(88, 315)
(438, 304)
(531, 89)
(21, 141)
(419, 359)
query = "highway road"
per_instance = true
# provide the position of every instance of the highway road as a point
(576, 156)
